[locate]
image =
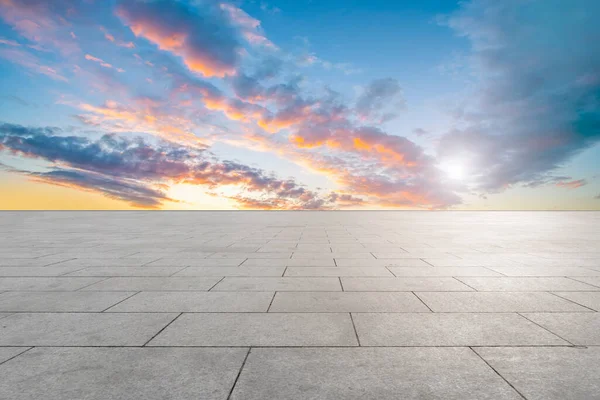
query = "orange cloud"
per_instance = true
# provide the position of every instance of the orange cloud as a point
(204, 41)
(572, 184)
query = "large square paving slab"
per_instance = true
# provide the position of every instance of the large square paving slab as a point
(347, 302)
(60, 301)
(121, 373)
(578, 328)
(154, 284)
(81, 329)
(539, 373)
(496, 302)
(195, 302)
(258, 329)
(363, 373)
(435, 329)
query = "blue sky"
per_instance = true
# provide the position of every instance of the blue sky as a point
(300, 104)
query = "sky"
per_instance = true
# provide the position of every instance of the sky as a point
(300, 104)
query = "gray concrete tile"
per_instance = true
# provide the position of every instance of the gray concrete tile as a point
(328, 255)
(136, 284)
(126, 271)
(121, 373)
(81, 329)
(590, 280)
(548, 373)
(497, 302)
(403, 284)
(337, 271)
(43, 283)
(587, 299)
(258, 329)
(236, 255)
(107, 262)
(270, 284)
(60, 301)
(196, 262)
(26, 262)
(545, 271)
(369, 373)
(195, 302)
(346, 302)
(443, 271)
(37, 271)
(231, 271)
(408, 262)
(303, 262)
(6, 353)
(437, 329)
(578, 328)
(525, 284)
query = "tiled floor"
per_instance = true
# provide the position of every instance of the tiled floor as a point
(300, 305)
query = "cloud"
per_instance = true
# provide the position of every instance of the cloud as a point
(41, 21)
(102, 62)
(379, 95)
(572, 184)
(8, 42)
(139, 195)
(203, 35)
(538, 99)
(140, 173)
(111, 38)
(31, 62)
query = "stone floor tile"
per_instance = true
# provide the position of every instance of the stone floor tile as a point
(337, 271)
(81, 329)
(60, 301)
(302, 262)
(45, 284)
(26, 262)
(195, 302)
(439, 329)
(270, 284)
(369, 373)
(403, 284)
(6, 353)
(497, 302)
(197, 262)
(406, 262)
(525, 284)
(126, 271)
(590, 280)
(37, 271)
(231, 271)
(545, 271)
(587, 299)
(258, 329)
(121, 373)
(443, 271)
(107, 262)
(324, 255)
(400, 302)
(136, 284)
(548, 373)
(578, 328)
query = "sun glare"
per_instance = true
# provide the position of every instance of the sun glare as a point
(454, 171)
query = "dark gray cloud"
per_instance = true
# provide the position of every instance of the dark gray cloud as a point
(538, 104)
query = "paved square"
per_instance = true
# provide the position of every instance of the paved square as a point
(299, 305)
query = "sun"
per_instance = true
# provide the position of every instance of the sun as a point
(454, 171)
